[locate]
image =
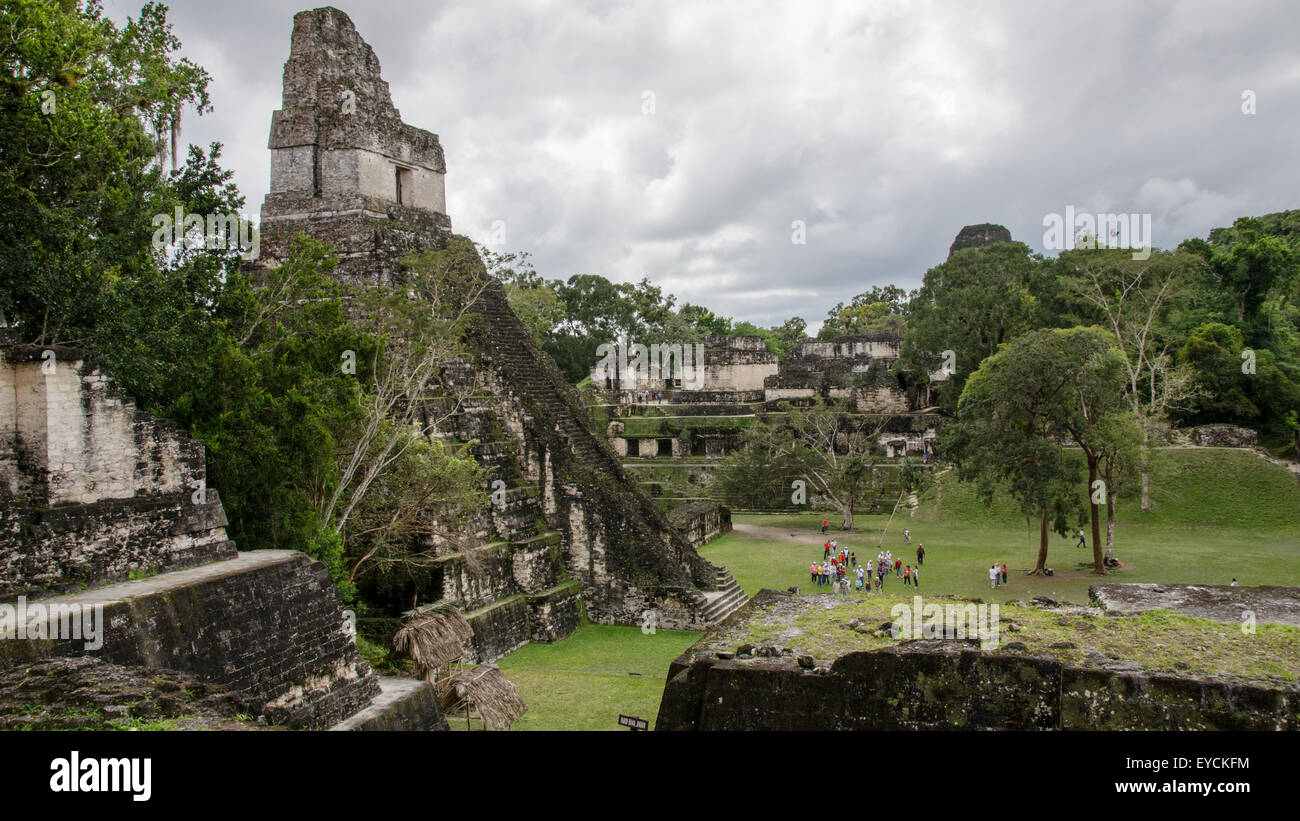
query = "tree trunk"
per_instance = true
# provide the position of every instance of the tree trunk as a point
(1146, 473)
(1095, 517)
(1110, 527)
(1041, 564)
(1110, 512)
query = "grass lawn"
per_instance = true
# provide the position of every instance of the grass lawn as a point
(958, 556)
(587, 680)
(1217, 514)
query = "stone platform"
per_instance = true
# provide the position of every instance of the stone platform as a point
(267, 625)
(402, 704)
(1273, 605)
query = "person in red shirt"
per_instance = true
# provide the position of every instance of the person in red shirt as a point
(907, 576)
(826, 552)
(898, 567)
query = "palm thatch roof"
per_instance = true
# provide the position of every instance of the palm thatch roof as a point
(433, 637)
(493, 696)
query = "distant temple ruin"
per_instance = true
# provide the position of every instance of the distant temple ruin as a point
(672, 435)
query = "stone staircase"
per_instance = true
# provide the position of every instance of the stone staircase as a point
(535, 601)
(546, 398)
(726, 599)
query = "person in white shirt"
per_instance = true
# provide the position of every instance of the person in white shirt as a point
(994, 573)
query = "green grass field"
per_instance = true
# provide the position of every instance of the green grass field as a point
(587, 680)
(1216, 514)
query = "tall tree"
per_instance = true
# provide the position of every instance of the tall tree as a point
(84, 102)
(1131, 298)
(882, 309)
(834, 452)
(1041, 388)
(1005, 439)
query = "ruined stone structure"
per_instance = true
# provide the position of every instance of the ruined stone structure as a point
(344, 167)
(91, 488)
(853, 368)
(103, 499)
(930, 684)
(977, 236)
(728, 369)
(575, 533)
(673, 445)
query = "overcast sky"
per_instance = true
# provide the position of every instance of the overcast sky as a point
(885, 127)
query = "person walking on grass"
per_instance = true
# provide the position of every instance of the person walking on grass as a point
(1004, 573)
(907, 575)
(907, 536)
(920, 554)
(1082, 542)
(916, 576)
(993, 575)
(825, 524)
(813, 569)
(859, 575)
(898, 568)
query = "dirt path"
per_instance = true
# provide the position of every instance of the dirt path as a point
(853, 541)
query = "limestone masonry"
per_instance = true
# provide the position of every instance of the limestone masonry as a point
(100, 498)
(672, 444)
(91, 488)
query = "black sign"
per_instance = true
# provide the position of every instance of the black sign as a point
(634, 722)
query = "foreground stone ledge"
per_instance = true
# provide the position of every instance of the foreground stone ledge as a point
(403, 704)
(945, 685)
(268, 625)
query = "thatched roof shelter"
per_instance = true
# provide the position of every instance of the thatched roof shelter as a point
(494, 698)
(433, 638)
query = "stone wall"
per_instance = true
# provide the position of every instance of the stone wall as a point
(952, 684)
(732, 369)
(91, 488)
(702, 521)
(267, 625)
(946, 688)
(1225, 436)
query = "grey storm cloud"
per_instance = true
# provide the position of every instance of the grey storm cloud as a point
(681, 141)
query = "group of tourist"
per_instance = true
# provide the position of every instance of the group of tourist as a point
(839, 568)
(649, 396)
(997, 575)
